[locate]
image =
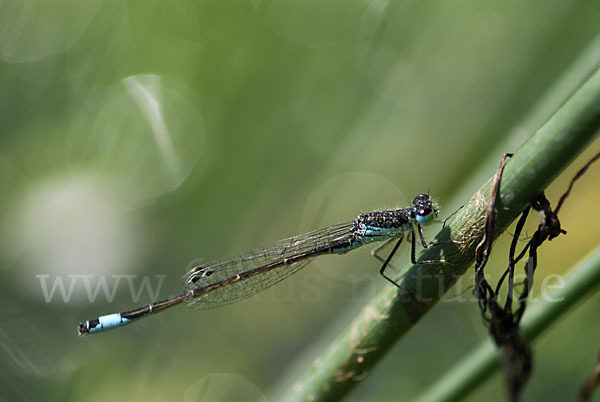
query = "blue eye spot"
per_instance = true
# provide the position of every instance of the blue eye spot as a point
(425, 218)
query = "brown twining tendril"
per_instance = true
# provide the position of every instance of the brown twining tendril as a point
(516, 353)
(502, 322)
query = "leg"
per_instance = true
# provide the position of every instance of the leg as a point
(424, 242)
(387, 261)
(451, 215)
(376, 250)
(413, 257)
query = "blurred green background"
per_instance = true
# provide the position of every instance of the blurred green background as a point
(140, 138)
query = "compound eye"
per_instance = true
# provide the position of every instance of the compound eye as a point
(425, 216)
(424, 211)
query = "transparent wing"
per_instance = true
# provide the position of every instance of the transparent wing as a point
(261, 269)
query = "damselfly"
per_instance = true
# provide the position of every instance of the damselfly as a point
(223, 282)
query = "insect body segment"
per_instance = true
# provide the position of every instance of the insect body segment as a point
(224, 282)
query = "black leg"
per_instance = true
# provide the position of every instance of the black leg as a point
(424, 242)
(387, 261)
(451, 215)
(413, 257)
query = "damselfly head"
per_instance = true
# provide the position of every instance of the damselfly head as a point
(426, 211)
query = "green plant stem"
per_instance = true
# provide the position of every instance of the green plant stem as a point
(483, 361)
(392, 312)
